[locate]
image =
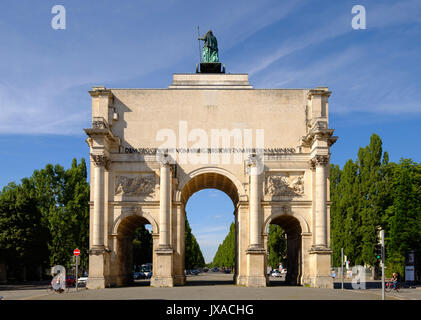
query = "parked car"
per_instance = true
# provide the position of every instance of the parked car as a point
(284, 271)
(195, 272)
(82, 280)
(215, 269)
(70, 281)
(205, 269)
(227, 270)
(138, 275)
(146, 269)
(276, 273)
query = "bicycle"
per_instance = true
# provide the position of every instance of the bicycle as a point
(51, 290)
(389, 286)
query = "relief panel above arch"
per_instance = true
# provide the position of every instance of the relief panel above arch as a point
(136, 186)
(285, 186)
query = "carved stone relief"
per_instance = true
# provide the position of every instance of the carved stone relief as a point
(141, 185)
(285, 185)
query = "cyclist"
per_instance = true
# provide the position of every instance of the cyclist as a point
(394, 280)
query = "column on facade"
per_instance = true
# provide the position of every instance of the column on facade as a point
(320, 163)
(254, 202)
(97, 237)
(164, 205)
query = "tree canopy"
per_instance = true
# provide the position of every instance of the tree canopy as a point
(45, 217)
(372, 194)
(193, 255)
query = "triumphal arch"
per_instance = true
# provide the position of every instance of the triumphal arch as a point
(267, 149)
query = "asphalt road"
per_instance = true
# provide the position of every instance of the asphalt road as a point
(207, 286)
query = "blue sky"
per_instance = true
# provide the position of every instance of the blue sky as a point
(46, 74)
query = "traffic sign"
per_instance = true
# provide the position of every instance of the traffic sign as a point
(76, 252)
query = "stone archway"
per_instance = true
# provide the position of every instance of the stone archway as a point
(294, 227)
(212, 178)
(127, 171)
(124, 228)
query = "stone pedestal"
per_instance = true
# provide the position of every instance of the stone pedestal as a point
(320, 276)
(211, 67)
(97, 268)
(255, 268)
(162, 271)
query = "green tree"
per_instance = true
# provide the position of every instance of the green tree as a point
(402, 219)
(63, 199)
(76, 204)
(193, 255)
(142, 246)
(21, 230)
(372, 196)
(46, 217)
(225, 255)
(277, 246)
(360, 194)
(349, 206)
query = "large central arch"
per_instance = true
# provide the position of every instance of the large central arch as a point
(211, 178)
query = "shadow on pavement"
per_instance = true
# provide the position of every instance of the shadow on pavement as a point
(199, 282)
(140, 283)
(29, 285)
(348, 285)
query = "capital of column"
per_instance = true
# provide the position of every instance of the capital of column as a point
(98, 250)
(254, 165)
(252, 160)
(101, 160)
(164, 160)
(318, 160)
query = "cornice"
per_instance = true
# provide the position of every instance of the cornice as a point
(100, 91)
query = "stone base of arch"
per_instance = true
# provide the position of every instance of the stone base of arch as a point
(163, 270)
(319, 271)
(256, 261)
(98, 265)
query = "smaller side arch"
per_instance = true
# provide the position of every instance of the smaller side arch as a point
(135, 211)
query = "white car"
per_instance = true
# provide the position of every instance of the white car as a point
(275, 273)
(82, 280)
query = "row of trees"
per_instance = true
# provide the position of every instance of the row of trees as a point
(142, 248)
(193, 255)
(43, 219)
(367, 195)
(372, 194)
(225, 255)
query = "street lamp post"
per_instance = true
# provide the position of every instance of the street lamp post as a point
(342, 267)
(382, 259)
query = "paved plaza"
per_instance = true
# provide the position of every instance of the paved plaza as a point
(212, 286)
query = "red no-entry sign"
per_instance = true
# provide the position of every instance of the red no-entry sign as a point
(76, 252)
